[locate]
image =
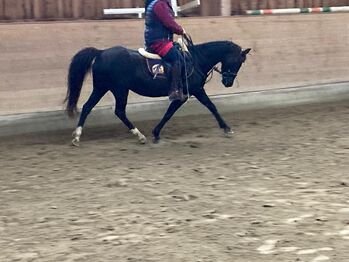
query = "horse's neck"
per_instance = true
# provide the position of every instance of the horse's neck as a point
(211, 54)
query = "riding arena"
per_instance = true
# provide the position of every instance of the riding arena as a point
(96, 164)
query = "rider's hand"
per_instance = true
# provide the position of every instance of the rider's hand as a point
(185, 35)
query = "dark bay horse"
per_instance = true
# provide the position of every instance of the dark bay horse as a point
(120, 70)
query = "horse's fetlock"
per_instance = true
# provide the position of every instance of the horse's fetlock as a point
(156, 132)
(135, 131)
(78, 131)
(142, 139)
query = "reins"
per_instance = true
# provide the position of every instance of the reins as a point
(210, 74)
(187, 40)
(186, 78)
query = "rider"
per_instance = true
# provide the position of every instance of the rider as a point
(160, 25)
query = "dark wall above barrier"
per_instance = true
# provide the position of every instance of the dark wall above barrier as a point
(19, 10)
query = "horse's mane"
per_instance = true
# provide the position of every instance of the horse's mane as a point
(200, 50)
(209, 45)
(218, 44)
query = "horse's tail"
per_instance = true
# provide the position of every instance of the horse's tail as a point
(79, 67)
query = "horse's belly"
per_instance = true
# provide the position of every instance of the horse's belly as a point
(152, 88)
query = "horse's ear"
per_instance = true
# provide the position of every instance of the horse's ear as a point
(246, 51)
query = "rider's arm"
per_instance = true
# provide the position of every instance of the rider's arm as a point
(163, 12)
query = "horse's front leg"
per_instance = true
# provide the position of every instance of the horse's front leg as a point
(206, 101)
(174, 106)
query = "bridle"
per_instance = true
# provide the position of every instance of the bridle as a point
(208, 77)
(226, 74)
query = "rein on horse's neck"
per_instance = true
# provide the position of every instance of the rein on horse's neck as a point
(212, 53)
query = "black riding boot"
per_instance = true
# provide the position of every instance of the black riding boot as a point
(176, 92)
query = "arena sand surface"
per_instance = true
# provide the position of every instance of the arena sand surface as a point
(278, 190)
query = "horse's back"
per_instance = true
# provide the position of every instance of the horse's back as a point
(114, 57)
(118, 55)
(119, 51)
(120, 66)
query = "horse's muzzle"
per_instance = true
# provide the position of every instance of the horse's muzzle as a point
(228, 78)
(228, 81)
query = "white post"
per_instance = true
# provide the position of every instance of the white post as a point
(226, 7)
(175, 6)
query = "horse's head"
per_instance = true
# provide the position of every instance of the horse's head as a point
(231, 66)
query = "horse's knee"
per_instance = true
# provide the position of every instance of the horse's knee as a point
(86, 109)
(120, 113)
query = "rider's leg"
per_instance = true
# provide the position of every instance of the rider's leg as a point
(173, 57)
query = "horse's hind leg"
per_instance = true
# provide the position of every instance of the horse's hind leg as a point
(94, 98)
(120, 112)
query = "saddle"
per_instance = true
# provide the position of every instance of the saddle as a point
(160, 69)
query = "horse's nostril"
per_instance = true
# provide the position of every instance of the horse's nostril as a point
(227, 82)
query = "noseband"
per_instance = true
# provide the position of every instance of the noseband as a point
(226, 74)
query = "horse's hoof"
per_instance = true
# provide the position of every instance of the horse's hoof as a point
(228, 132)
(75, 142)
(156, 140)
(143, 140)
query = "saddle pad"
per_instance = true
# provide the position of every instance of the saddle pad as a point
(157, 68)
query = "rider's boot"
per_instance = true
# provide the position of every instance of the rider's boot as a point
(176, 92)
